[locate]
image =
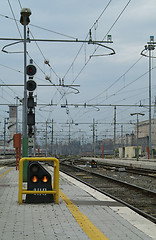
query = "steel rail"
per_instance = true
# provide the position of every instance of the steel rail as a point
(148, 216)
(114, 179)
(151, 218)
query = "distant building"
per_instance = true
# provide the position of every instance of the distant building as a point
(127, 140)
(143, 138)
(129, 152)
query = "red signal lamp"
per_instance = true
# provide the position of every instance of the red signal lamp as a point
(45, 179)
(31, 70)
(34, 179)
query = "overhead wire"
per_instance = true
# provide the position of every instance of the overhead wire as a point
(44, 56)
(14, 18)
(35, 42)
(114, 23)
(11, 68)
(83, 45)
(124, 85)
(8, 87)
(130, 83)
(117, 80)
(49, 30)
(40, 49)
(21, 37)
(102, 40)
(19, 3)
(86, 64)
(86, 38)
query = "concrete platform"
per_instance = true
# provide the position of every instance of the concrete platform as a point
(82, 213)
(141, 163)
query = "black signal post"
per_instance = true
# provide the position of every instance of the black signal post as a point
(39, 179)
(31, 86)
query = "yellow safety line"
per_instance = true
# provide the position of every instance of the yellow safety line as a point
(87, 226)
(5, 173)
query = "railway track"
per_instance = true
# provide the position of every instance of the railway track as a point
(110, 166)
(140, 199)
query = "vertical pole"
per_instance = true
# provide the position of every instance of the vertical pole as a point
(4, 134)
(25, 83)
(122, 136)
(69, 133)
(102, 148)
(150, 147)
(52, 136)
(16, 115)
(114, 130)
(122, 142)
(93, 137)
(46, 140)
(137, 138)
(25, 137)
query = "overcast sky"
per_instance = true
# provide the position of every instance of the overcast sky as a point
(104, 79)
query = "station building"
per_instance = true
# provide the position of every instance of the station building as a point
(128, 144)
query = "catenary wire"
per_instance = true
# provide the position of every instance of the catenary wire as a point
(14, 18)
(58, 33)
(117, 80)
(102, 39)
(86, 38)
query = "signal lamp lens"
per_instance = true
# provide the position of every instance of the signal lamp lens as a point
(34, 168)
(31, 70)
(34, 179)
(45, 179)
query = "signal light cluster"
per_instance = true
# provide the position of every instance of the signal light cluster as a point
(39, 179)
(36, 179)
(31, 86)
(93, 164)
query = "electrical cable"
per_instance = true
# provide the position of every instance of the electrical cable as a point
(87, 37)
(8, 87)
(20, 3)
(44, 57)
(61, 34)
(102, 40)
(110, 1)
(98, 46)
(11, 68)
(67, 36)
(14, 18)
(116, 81)
(114, 23)
(129, 83)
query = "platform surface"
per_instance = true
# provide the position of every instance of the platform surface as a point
(82, 213)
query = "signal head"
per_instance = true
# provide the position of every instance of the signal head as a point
(31, 70)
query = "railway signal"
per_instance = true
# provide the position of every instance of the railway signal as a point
(30, 115)
(39, 179)
(31, 86)
(93, 164)
(31, 70)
